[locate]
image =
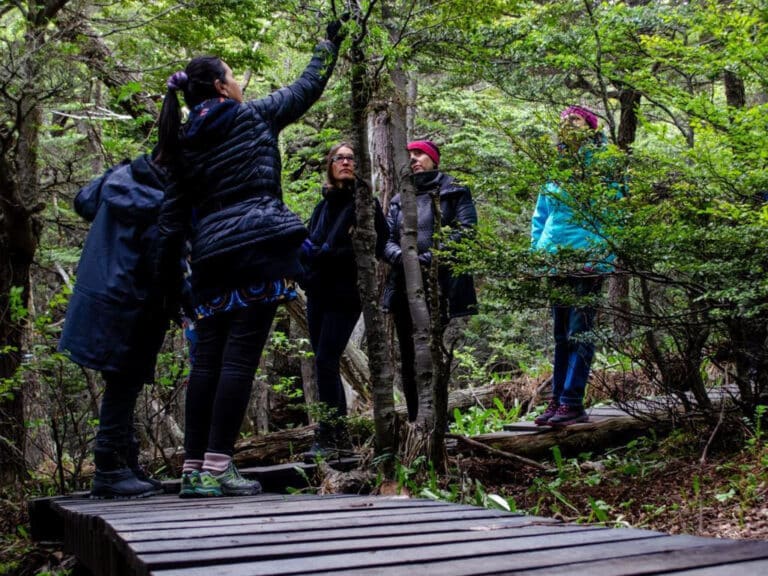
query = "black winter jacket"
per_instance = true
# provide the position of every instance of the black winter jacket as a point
(115, 320)
(331, 268)
(229, 175)
(457, 211)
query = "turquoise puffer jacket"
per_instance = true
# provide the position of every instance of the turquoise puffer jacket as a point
(555, 225)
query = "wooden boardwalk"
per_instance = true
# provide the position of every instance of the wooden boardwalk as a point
(360, 535)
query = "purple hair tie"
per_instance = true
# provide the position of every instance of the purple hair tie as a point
(177, 80)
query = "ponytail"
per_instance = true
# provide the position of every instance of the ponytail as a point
(168, 129)
(197, 82)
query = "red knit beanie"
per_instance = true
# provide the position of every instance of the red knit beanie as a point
(589, 117)
(428, 147)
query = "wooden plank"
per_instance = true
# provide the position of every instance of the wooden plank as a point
(715, 553)
(571, 439)
(252, 523)
(391, 518)
(416, 529)
(275, 560)
(144, 505)
(211, 509)
(749, 568)
(285, 546)
(578, 560)
(266, 513)
(607, 411)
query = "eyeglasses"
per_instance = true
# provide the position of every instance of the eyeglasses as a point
(343, 158)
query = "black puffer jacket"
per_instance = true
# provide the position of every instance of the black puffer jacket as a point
(457, 211)
(331, 267)
(229, 174)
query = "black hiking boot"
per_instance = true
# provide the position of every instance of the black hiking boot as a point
(119, 484)
(326, 445)
(132, 459)
(320, 451)
(142, 475)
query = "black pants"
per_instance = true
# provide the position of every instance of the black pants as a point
(116, 441)
(330, 326)
(229, 346)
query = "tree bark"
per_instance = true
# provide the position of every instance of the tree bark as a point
(20, 205)
(364, 240)
(735, 92)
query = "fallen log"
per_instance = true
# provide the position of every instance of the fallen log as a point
(600, 432)
(273, 448)
(277, 447)
(463, 399)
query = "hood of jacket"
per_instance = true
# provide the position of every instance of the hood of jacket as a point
(209, 122)
(135, 191)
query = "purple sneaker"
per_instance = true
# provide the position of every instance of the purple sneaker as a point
(543, 418)
(567, 415)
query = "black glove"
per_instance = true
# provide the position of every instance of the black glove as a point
(335, 30)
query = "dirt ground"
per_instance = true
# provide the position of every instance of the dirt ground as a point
(725, 497)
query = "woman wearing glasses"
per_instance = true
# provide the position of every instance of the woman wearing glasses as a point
(333, 303)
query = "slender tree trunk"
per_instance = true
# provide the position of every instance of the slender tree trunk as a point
(618, 285)
(19, 237)
(440, 359)
(364, 243)
(735, 92)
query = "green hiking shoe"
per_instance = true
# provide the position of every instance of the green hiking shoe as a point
(209, 486)
(232, 484)
(189, 482)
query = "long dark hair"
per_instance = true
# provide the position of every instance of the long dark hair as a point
(199, 86)
(329, 162)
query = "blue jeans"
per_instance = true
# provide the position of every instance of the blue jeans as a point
(574, 346)
(330, 327)
(227, 353)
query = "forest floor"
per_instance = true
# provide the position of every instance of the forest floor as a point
(662, 485)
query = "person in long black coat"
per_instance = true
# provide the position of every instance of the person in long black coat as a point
(245, 244)
(333, 301)
(457, 293)
(116, 318)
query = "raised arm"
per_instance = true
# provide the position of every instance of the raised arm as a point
(288, 104)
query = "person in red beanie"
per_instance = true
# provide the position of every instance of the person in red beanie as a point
(457, 292)
(562, 221)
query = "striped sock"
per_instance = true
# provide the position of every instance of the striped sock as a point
(190, 465)
(216, 463)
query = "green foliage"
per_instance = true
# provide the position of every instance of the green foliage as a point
(420, 479)
(478, 420)
(289, 387)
